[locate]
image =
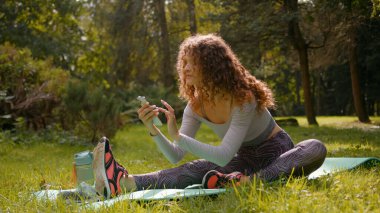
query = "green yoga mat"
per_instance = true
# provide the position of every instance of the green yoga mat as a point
(329, 166)
(159, 194)
(144, 195)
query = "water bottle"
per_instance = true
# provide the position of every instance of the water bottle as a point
(83, 171)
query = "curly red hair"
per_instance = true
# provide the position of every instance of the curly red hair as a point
(221, 72)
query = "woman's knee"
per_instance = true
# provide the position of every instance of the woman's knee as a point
(316, 148)
(313, 154)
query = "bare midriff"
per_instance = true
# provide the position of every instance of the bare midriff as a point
(275, 130)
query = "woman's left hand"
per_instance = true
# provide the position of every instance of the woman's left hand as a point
(172, 122)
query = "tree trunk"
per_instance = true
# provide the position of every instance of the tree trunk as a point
(355, 81)
(318, 96)
(297, 40)
(304, 66)
(192, 17)
(167, 74)
(125, 18)
(298, 87)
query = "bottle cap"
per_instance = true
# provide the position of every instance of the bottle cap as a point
(83, 158)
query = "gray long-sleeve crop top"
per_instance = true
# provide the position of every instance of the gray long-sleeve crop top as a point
(245, 127)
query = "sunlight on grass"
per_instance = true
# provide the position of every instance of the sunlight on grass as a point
(352, 149)
(342, 122)
(39, 164)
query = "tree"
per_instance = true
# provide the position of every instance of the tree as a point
(354, 23)
(351, 20)
(192, 17)
(123, 28)
(299, 43)
(47, 28)
(355, 79)
(167, 71)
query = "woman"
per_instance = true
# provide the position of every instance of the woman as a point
(222, 94)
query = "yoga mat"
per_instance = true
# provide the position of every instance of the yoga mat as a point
(158, 194)
(329, 166)
(144, 195)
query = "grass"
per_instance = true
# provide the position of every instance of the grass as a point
(40, 162)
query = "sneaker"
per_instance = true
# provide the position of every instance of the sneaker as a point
(107, 171)
(214, 179)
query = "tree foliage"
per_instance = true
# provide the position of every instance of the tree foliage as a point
(31, 89)
(49, 28)
(92, 110)
(112, 51)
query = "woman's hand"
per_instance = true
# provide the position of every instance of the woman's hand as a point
(146, 114)
(171, 120)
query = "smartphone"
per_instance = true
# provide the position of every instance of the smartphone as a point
(156, 120)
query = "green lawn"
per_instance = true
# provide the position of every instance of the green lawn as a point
(47, 162)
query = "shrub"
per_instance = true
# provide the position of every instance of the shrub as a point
(30, 89)
(92, 110)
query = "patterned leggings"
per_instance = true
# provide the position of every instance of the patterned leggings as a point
(271, 159)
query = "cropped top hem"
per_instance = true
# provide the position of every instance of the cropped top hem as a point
(262, 137)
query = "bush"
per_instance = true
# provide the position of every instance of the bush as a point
(92, 110)
(30, 89)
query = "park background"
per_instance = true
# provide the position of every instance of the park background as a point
(70, 72)
(78, 66)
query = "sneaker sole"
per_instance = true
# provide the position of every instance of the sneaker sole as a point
(103, 173)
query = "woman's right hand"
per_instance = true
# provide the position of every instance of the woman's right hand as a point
(146, 114)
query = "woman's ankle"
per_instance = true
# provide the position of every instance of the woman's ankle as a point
(128, 183)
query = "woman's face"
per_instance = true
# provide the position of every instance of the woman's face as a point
(191, 72)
